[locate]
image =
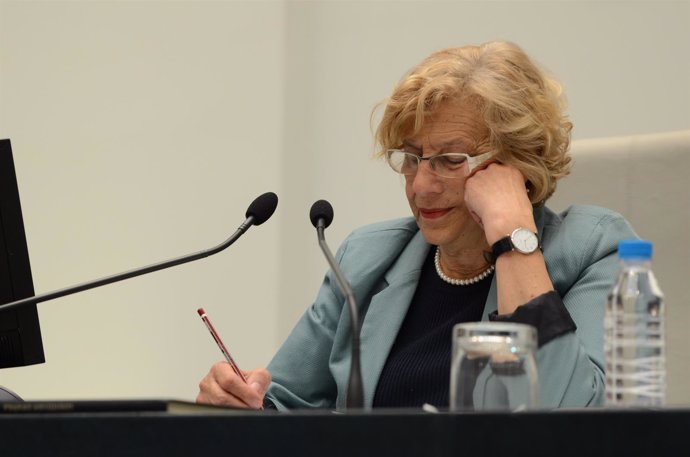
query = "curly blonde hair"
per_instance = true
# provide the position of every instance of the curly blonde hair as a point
(522, 106)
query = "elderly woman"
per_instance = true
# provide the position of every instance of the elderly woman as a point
(480, 135)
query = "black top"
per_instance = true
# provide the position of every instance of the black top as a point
(417, 370)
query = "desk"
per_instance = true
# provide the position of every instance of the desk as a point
(380, 433)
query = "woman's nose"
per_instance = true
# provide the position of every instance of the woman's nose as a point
(426, 180)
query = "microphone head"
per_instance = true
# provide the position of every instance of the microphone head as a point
(262, 208)
(321, 210)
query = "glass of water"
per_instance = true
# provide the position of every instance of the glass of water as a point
(493, 367)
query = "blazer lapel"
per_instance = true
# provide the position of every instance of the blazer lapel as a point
(388, 308)
(387, 311)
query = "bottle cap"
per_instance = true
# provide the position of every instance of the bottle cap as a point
(635, 249)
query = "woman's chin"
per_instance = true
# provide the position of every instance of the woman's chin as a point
(469, 235)
(433, 236)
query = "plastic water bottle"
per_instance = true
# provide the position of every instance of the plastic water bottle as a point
(634, 337)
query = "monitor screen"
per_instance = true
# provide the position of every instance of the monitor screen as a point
(20, 333)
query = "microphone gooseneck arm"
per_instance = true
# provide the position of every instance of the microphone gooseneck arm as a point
(257, 212)
(355, 390)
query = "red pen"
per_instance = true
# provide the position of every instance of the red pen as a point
(220, 344)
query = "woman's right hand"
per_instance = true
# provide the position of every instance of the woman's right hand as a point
(222, 387)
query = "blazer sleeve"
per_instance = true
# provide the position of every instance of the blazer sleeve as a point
(583, 264)
(300, 369)
(311, 368)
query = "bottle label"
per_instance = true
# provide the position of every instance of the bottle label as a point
(635, 361)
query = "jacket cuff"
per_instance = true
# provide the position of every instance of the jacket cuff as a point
(546, 313)
(268, 404)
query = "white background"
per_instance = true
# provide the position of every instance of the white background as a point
(142, 130)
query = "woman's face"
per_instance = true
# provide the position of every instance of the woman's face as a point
(438, 203)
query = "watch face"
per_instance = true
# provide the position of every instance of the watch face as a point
(524, 241)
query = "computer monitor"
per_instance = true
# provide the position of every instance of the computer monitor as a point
(20, 332)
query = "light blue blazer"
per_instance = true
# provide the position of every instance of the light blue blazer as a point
(383, 261)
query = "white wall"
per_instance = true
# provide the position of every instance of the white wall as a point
(141, 132)
(143, 129)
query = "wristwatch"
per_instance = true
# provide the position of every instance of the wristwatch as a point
(521, 240)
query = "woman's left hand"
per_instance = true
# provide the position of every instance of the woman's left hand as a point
(498, 200)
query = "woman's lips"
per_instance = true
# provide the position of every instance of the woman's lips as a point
(428, 213)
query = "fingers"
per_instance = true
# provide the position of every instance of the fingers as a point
(222, 387)
(497, 200)
(496, 181)
(481, 166)
(494, 167)
(259, 380)
(211, 392)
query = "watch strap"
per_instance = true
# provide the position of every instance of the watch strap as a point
(501, 246)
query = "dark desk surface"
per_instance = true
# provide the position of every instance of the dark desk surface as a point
(322, 433)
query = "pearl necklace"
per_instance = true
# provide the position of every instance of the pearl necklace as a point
(459, 282)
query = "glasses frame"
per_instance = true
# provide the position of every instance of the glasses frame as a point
(472, 161)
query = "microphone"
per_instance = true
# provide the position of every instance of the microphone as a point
(321, 216)
(259, 211)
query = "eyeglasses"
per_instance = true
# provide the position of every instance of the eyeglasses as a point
(447, 165)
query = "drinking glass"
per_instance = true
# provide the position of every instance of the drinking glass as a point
(493, 367)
